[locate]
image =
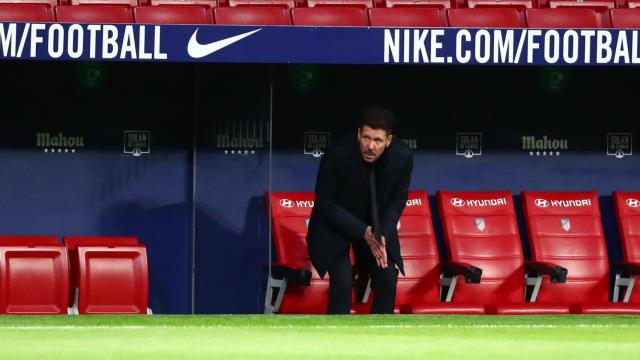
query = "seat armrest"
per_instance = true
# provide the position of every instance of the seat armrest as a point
(557, 273)
(471, 273)
(297, 276)
(627, 268)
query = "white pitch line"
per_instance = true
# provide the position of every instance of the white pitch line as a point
(421, 326)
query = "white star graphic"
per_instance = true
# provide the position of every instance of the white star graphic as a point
(537, 153)
(544, 153)
(253, 152)
(226, 151)
(233, 151)
(46, 150)
(59, 150)
(66, 150)
(550, 153)
(557, 153)
(246, 152)
(530, 153)
(73, 150)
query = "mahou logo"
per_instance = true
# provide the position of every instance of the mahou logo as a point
(58, 143)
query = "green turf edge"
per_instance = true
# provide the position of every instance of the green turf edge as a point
(317, 320)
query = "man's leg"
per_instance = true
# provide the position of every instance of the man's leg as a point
(383, 284)
(340, 284)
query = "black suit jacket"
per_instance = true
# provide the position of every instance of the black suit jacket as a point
(342, 210)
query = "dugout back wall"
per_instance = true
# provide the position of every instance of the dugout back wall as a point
(180, 155)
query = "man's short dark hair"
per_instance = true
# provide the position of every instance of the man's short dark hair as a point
(377, 117)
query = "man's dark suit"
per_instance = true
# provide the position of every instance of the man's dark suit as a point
(342, 209)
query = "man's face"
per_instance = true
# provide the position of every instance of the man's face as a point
(372, 143)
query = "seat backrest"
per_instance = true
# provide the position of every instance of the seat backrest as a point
(95, 13)
(113, 280)
(627, 206)
(330, 16)
(34, 280)
(609, 4)
(171, 14)
(408, 16)
(519, 4)
(419, 253)
(415, 4)
(23, 2)
(207, 3)
(73, 242)
(565, 229)
(28, 240)
(493, 17)
(351, 3)
(252, 15)
(288, 4)
(290, 214)
(112, 2)
(563, 18)
(480, 228)
(26, 12)
(625, 18)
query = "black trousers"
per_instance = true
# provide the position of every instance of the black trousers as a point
(383, 282)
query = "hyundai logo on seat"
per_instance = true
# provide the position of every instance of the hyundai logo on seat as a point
(542, 203)
(286, 203)
(634, 203)
(457, 202)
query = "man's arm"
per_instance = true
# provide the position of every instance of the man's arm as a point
(326, 189)
(398, 200)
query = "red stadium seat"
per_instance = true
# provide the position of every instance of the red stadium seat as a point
(35, 280)
(481, 230)
(443, 4)
(563, 18)
(528, 4)
(419, 290)
(252, 15)
(26, 12)
(113, 280)
(282, 3)
(405, 16)
(486, 17)
(565, 230)
(625, 18)
(349, 3)
(172, 14)
(209, 3)
(94, 13)
(627, 205)
(28, 240)
(300, 290)
(609, 4)
(73, 242)
(112, 2)
(330, 16)
(50, 2)
(601, 7)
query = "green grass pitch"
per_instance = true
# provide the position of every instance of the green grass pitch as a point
(319, 337)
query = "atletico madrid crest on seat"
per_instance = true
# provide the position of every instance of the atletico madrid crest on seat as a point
(566, 224)
(480, 224)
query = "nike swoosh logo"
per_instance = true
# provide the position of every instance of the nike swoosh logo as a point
(197, 50)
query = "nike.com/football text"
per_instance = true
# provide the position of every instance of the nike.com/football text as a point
(511, 46)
